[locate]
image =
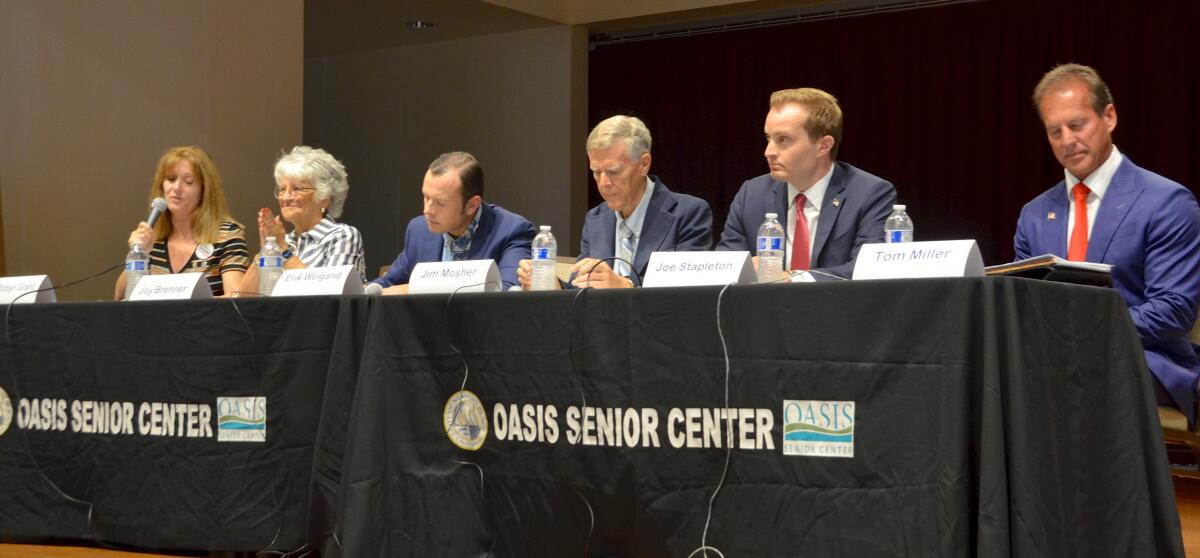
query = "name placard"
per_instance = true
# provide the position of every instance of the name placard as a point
(13, 287)
(907, 260)
(314, 281)
(471, 276)
(690, 269)
(175, 286)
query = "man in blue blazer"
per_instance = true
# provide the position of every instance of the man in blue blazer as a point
(458, 225)
(639, 215)
(829, 208)
(1109, 210)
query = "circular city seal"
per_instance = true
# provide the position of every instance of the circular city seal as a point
(6, 412)
(465, 420)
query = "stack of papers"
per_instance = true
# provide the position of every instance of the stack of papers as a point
(1053, 268)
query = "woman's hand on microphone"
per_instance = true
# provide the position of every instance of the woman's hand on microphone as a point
(143, 236)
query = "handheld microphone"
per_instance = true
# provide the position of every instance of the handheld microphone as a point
(157, 207)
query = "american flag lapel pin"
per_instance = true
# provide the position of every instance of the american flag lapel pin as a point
(1051, 216)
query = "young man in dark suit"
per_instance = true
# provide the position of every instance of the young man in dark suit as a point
(829, 208)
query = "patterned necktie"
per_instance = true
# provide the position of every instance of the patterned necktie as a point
(625, 250)
(800, 237)
(1077, 248)
(460, 248)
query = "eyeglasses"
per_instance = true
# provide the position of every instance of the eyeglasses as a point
(298, 190)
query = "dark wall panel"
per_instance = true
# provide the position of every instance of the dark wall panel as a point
(936, 100)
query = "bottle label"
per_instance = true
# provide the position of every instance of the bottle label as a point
(135, 265)
(770, 243)
(273, 261)
(541, 253)
(894, 236)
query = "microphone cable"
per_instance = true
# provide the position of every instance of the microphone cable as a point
(800, 272)
(704, 547)
(588, 274)
(577, 330)
(8, 311)
(462, 387)
(17, 392)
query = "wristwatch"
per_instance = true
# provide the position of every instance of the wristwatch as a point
(287, 253)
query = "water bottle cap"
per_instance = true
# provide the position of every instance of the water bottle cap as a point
(270, 239)
(772, 216)
(897, 207)
(544, 228)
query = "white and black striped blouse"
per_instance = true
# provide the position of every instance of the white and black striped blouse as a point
(328, 244)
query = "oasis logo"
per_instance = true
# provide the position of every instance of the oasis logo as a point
(241, 419)
(818, 428)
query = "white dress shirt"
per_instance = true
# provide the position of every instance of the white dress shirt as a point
(1098, 183)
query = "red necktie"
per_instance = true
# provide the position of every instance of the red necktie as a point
(1077, 249)
(800, 237)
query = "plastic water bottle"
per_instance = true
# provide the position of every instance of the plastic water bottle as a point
(899, 227)
(270, 266)
(137, 265)
(545, 257)
(770, 249)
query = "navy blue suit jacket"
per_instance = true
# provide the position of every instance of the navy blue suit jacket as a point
(501, 235)
(857, 204)
(1148, 228)
(674, 223)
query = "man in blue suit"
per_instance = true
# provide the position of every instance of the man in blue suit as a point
(639, 215)
(458, 225)
(830, 208)
(1109, 210)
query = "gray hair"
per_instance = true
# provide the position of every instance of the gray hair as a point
(1064, 74)
(629, 129)
(319, 168)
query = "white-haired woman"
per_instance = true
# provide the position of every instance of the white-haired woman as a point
(311, 188)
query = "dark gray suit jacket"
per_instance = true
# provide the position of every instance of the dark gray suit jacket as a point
(674, 223)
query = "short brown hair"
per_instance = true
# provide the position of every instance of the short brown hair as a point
(470, 172)
(824, 114)
(1063, 74)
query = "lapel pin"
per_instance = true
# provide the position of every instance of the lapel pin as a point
(837, 202)
(1051, 216)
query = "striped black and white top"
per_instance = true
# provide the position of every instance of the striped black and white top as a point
(328, 244)
(228, 253)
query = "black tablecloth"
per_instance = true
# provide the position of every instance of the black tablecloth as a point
(985, 417)
(172, 491)
(992, 417)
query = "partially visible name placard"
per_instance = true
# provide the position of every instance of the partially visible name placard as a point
(313, 281)
(472, 276)
(13, 287)
(907, 260)
(176, 286)
(690, 269)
